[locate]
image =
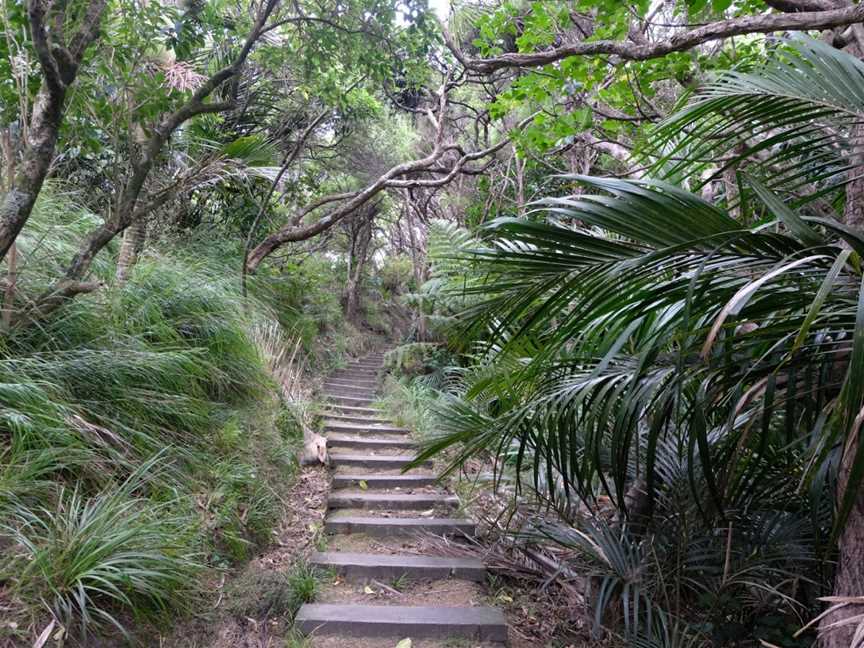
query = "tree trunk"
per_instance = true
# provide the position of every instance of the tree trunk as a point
(18, 201)
(849, 580)
(359, 251)
(8, 150)
(133, 243)
(418, 258)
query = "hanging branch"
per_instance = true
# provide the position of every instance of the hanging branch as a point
(397, 177)
(286, 164)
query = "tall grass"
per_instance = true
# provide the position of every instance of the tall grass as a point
(91, 555)
(140, 437)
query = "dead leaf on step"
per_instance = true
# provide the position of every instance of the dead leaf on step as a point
(368, 590)
(363, 485)
(427, 513)
(405, 643)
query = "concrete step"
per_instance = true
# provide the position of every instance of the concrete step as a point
(352, 382)
(368, 443)
(373, 462)
(397, 621)
(348, 400)
(335, 387)
(356, 411)
(359, 428)
(385, 567)
(390, 501)
(352, 480)
(360, 420)
(382, 527)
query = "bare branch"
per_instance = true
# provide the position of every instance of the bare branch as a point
(17, 203)
(294, 232)
(127, 211)
(394, 178)
(678, 42)
(42, 45)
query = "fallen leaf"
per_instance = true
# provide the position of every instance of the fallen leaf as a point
(405, 643)
(363, 485)
(368, 590)
(43, 638)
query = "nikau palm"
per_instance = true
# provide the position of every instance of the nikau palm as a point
(635, 326)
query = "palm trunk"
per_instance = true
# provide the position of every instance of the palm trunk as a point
(849, 580)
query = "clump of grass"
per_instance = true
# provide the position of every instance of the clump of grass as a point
(91, 555)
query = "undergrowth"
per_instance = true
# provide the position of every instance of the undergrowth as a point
(144, 442)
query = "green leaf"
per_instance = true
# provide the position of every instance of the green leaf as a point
(800, 229)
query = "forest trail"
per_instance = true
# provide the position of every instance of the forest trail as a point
(388, 581)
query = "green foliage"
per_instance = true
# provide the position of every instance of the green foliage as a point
(305, 297)
(90, 555)
(799, 107)
(166, 365)
(638, 348)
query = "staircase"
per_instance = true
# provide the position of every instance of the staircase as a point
(375, 515)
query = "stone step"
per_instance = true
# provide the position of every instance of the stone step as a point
(382, 428)
(390, 501)
(373, 462)
(348, 400)
(385, 567)
(338, 386)
(362, 378)
(351, 480)
(397, 621)
(382, 527)
(340, 392)
(368, 443)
